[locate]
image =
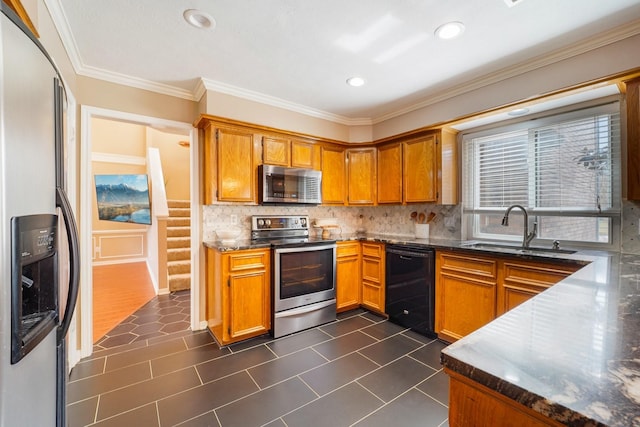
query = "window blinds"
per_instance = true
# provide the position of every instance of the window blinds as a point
(564, 165)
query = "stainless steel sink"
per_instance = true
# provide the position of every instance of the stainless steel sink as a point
(516, 248)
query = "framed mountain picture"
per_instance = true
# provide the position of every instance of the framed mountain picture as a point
(123, 198)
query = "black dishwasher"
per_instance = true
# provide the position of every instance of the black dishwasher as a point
(410, 287)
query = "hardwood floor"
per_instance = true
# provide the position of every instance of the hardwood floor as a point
(118, 291)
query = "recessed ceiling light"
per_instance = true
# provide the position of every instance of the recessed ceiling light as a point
(518, 112)
(512, 3)
(355, 81)
(199, 19)
(450, 30)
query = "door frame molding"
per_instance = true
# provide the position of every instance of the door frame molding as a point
(88, 113)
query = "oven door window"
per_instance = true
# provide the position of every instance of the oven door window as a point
(303, 273)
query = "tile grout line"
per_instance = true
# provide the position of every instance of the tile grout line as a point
(428, 395)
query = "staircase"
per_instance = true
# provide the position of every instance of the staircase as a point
(179, 245)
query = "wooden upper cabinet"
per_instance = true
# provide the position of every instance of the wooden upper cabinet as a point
(333, 176)
(390, 173)
(420, 170)
(302, 155)
(633, 139)
(236, 174)
(209, 165)
(281, 151)
(276, 151)
(447, 153)
(361, 169)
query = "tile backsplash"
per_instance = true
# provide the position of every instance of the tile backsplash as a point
(630, 239)
(386, 220)
(389, 220)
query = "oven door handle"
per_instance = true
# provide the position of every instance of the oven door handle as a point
(305, 309)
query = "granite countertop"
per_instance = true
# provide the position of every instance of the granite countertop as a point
(572, 353)
(237, 245)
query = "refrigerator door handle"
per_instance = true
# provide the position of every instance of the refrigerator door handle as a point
(74, 260)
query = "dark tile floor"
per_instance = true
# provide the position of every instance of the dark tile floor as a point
(163, 315)
(361, 370)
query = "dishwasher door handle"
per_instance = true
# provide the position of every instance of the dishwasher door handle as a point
(406, 257)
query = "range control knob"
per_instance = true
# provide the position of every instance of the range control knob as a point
(260, 223)
(303, 222)
(268, 222)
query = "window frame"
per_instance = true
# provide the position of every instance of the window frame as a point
(471, 214)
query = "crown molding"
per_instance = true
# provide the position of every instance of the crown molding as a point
(261, 98)
(603, 39)
(61, 24)
(203, 85)
(68, 41)
(136, 82)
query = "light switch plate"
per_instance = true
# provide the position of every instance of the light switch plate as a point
(234, 219)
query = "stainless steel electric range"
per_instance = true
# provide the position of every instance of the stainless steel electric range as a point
(304, 273)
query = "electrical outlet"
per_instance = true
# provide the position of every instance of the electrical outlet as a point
(234, 219)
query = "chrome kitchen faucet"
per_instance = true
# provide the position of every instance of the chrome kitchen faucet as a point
(527, 237)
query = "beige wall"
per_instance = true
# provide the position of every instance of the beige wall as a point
(120, 138)
(593, 65)
(115, 242)
(223, 105)
(115, 145)
(497, 92)
(175, 162)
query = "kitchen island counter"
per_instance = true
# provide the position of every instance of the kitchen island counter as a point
(571, 353)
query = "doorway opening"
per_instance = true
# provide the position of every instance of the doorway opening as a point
(121, 272)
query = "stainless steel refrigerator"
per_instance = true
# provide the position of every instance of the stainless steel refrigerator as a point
(37, 231)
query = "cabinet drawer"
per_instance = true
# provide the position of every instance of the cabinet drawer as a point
(541, 275)
(348, 249)
(468, 266)
(372, 250)
(243, 261)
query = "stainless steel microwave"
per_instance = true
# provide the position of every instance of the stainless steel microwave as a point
(289, 185)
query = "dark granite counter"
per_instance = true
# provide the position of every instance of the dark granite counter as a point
(571, 353)
(238, 245)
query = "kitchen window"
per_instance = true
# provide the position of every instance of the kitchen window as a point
(564, 169)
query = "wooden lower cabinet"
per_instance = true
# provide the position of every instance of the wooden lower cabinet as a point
(373, 280)
(473, 290)
(523, 280)
(466, 288)
(238, 294)
(348, 275)
(472, 404)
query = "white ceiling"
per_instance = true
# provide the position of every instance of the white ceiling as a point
(299, 53)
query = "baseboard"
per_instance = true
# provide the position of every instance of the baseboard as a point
(120, 261)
